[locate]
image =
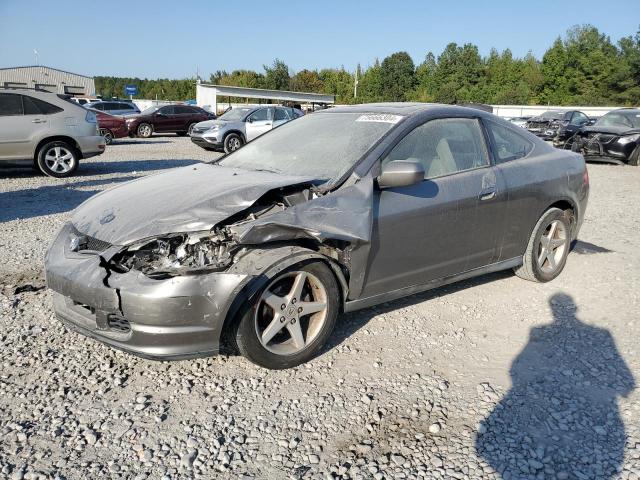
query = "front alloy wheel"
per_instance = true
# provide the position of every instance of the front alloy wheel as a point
(144, 130)
(291, 318)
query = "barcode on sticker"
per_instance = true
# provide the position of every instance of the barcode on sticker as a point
(379, 117)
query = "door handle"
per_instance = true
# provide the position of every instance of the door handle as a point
(38, 120)
(487, 194)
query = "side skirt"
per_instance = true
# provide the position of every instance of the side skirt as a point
(352, 305)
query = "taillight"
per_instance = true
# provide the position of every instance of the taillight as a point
(585, 176)
(90, 117)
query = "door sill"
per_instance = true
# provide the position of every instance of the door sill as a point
(360, 303)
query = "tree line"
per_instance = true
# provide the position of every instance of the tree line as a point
(582, 68)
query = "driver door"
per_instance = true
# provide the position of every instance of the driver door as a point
(165, 119)
(259, 122)
(436, 228)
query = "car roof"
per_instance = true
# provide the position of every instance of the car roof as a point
(402, 108)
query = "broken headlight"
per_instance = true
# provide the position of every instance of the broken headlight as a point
(178, 254)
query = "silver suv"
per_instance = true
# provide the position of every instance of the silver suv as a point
(240, 125)
(113, 107)
(47, 129)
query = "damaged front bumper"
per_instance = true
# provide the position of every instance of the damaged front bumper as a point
(172, 318)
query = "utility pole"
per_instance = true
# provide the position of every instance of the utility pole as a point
(355, 83)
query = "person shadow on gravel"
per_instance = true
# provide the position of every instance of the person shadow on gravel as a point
(560, 419)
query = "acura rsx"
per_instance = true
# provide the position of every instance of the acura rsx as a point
(342, 209)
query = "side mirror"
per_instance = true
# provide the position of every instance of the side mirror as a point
(401, 173)
(249, 120)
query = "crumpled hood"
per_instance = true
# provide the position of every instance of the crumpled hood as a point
(187, 199)
(615, 130)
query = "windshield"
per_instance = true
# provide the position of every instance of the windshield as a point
(235, 114)
(150, 110)
(629, 119)
(324, 146)
(553, 115)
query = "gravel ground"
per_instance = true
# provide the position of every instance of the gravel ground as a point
(490, 378)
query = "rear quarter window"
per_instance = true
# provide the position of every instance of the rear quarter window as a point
(507, 144)
(35, 106)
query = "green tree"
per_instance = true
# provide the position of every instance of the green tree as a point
(306, 81)
(370, 85)
(397, 76)
(276, 76)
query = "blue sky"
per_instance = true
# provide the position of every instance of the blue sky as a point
(161, 38)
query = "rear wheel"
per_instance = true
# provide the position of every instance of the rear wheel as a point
(292, 317)
(144, 130)
(548, 247)
(57, 159)
(108, 136)
(232, 142)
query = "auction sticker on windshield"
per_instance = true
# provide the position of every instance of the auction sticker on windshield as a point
(379, 117)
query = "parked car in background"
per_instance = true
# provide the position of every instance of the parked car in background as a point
(613, 138)
(48, 130)
(114, 107)
(84, 100)
(240, 125)
(519, 121)
(111, 126)
(178, 119)
(557, 125)
(339, 210)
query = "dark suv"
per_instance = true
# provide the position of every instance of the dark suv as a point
(178, 119)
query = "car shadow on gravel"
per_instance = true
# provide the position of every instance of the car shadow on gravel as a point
(560, 419)
(350, 323)
(50, 199)
(136, 142)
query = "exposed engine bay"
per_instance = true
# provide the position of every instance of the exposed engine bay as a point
(195, 252)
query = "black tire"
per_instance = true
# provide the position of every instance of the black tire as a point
(190, 128)
(634, 158)
(232, 142)
(531, 268)
(57, 159)
(246, 334)
(144, 130)
(107, 135)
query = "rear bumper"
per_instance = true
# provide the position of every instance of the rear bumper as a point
(175, 318)
(91, 146)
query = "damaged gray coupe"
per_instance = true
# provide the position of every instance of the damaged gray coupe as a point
(262, 250)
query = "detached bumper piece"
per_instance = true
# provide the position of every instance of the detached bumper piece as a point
(173, 318)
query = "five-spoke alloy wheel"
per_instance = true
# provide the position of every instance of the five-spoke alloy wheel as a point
(548, 247)
(291, 318)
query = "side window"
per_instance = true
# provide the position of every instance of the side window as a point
(281, 114)
(443, 147)
(508, 144)
(98, 106)
(125, 106)
(579, 119)
(30, 107)
(260, 115)
(10, 104)
(183, 110)
(39, 106)
(168, 110)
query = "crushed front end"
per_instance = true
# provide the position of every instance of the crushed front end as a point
(608, 147)
(147, 300)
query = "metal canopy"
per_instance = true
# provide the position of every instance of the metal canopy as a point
(207, 94)
(227, 91)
